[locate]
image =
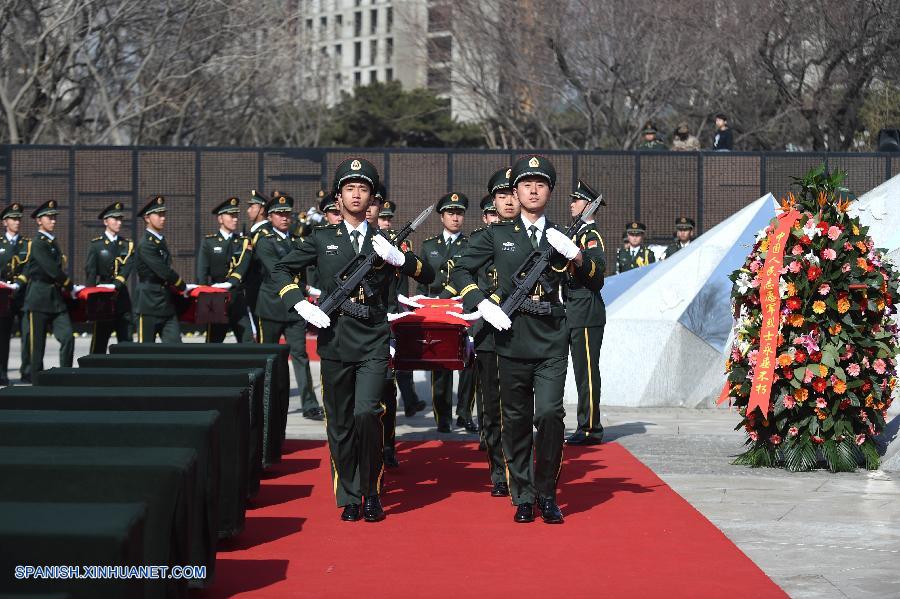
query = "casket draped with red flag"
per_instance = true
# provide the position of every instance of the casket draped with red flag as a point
(429, 338)
(6, 295)
(205, 305)
(92, 304)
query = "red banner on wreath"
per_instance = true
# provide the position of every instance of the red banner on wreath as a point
(770, 300)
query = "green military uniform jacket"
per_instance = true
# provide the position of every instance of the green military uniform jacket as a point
(111, 262)
(329, 248)
(625, 261)
(13, 257)
(584, 305)
(506, 243)
(652, 145)
(439, 257)
(488, 281)
(46, 276)
(401, 281)
(270, 248)
(156, 278)
(223, 260)
(256, 271)
(674, 247)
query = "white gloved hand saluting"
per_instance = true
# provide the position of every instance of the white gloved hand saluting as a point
(106, 286)
(494, 315)
(387, 252)
(561, 243)
(225, 285)
(312, 314)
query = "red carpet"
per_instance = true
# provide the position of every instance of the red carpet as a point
(626, 534)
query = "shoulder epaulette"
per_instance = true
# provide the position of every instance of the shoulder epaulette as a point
(211, 235)
(433, 238)
(478, 229)
(504, 222)
(96, 239)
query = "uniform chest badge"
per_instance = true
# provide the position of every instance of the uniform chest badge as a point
(217, 249)
(592, 244)
(2, 250)
(104, 252)
(331, 250)
(509, 246)
(433, 253)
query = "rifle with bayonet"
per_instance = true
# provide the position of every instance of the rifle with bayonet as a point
(353, 276)
(531, 273)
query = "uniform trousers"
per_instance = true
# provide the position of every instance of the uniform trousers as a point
(488, 397)
(150, 325)
(61, 327)
(531, 396)
(123, 326)
(270, 331)
(442, 393)
(351, 396)
(584, 346)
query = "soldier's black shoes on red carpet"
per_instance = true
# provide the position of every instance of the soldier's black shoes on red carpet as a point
(350, 513)
(467, 423)
(314, 414)
(550, 512)
(524, 513)
(390, 458)
(444, 425)
(500, 490)
(372, 510)
(579, 438)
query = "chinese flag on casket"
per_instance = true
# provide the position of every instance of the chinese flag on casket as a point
(205, 305)
(92, 304)
(428, 338)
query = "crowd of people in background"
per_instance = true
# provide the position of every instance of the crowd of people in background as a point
(684, 141)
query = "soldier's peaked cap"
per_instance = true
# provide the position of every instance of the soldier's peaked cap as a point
(683, 222)
(532, 166)
(115, 210)
(500, 180)
(636, 227)
(356, 169)
(156, 204)
(453, 200)
(48, 208)
(14, 210)
(281, 203)
(229, 206)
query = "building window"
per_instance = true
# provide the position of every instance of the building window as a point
(439, 80)
(389, 50)
(373, 51)
(357, 79)
(338, 24)
(357, 23)
(323, 24)
(338, 50)
(389, 74)
(358, 2)
(373, 76)
(373, 21)
(389, 18)
(357, 53)
(309, 25)
(439, 17)
(440, 49)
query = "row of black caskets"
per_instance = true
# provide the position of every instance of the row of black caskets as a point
(118, 478)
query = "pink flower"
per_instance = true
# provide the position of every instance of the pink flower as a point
(754, 435)
(879, 366)
(794, 266)
(848, 246)
(808, 376)
(817, 439)
(829, 254)
(820, 402)
(789, 402)
(845, 268)
(793, 431)
(755, 266)
(775, 439)
(824, 289)
(751, 357)
(860, 438)
(853, 369)
(833, 232)
(797, 250)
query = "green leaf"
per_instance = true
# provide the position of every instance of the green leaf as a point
(800, 456)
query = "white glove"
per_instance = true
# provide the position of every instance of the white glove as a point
(392, 347)
(313, 291)
(75, 290)
(561, 243)
(106, 286)
(190, 287)
(494, 315)
(387, 252)
(410, 301)
(466, 317)
(312, 314)
(225, 285)
(14, 286)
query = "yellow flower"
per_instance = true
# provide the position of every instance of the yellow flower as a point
(818, 306)
(843, 305)
(801, 394)
(840, 386)
(795, 320)
(764, 246)
(791, 289)
(861, 246)
(836, 329)
(823, 370)
(855, 230)
(785, 359)
(870, 401)
(820, 414)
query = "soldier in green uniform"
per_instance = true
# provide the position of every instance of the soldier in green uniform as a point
(684, 234)
(586, 317)
(275, 319)
(109, 264)
(532, 345)
(157, 281)
(440, 251)
(257, 220)
(353, 344)
(45, 306)
(223, 261)
(635, 254)
(650, 141)
(13, 256)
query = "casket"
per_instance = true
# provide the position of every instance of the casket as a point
(205, 305)
(6, 295)
(429, 339)
(92, 304)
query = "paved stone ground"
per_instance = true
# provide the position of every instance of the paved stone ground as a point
(816, 534)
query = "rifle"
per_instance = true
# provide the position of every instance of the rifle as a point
(532, 269)
(353, 275)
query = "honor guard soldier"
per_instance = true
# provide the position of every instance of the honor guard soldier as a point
(440, 251)
(635, 254)
(45, 305)
(532, 343)
(486, 366)
(332, 216)
(13, 255)
(157, 281)
(223, 262)
(275, 319)
(684, 235)
(650, 141)
(354, 339)
(257, 220)
(586, 317)
(109, 264)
